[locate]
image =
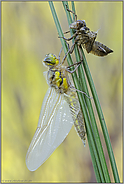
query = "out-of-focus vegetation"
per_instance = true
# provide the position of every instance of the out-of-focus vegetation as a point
(28, 34)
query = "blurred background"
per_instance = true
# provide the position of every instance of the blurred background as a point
(28, 34)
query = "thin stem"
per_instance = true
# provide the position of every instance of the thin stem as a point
(102, 122)
(97, 154)
(88, 125)
(97, 142)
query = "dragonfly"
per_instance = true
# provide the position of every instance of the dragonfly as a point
(60, 110)
(85, 37)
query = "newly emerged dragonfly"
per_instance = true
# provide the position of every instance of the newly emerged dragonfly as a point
(86, 38)
(60, 110)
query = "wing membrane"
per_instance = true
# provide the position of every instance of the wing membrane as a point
(54, 124)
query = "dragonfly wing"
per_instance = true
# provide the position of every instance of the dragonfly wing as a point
(54, 124)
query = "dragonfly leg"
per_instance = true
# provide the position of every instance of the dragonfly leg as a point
(73, 88)
(68, 39)
(60, 54)
(78, 64)
(71, 12)
(70, 50)
(66, 32)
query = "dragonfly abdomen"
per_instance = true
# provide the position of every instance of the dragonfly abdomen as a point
(80, 127)
(76, 115)
(100, 49)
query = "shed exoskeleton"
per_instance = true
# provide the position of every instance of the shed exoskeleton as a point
(83, 36)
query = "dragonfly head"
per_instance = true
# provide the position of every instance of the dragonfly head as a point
(50, 60)
(78, 24)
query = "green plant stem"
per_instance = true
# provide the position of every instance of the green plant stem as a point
(98, 146)
(77, 86)
(80, 97)
(95, 146)
(101, 117)
(102, 121)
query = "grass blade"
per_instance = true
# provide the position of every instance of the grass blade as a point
(97, 154)
(102, 166)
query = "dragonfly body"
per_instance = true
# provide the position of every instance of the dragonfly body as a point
(60, 110)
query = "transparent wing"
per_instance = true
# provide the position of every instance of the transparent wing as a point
(54, 124)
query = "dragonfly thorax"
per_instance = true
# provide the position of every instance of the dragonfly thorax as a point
(58, 79)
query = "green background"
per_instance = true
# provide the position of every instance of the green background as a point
(28, 34)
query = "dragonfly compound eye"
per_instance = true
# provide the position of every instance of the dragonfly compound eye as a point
(50, 60)
(74, 25)
(80, 24)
